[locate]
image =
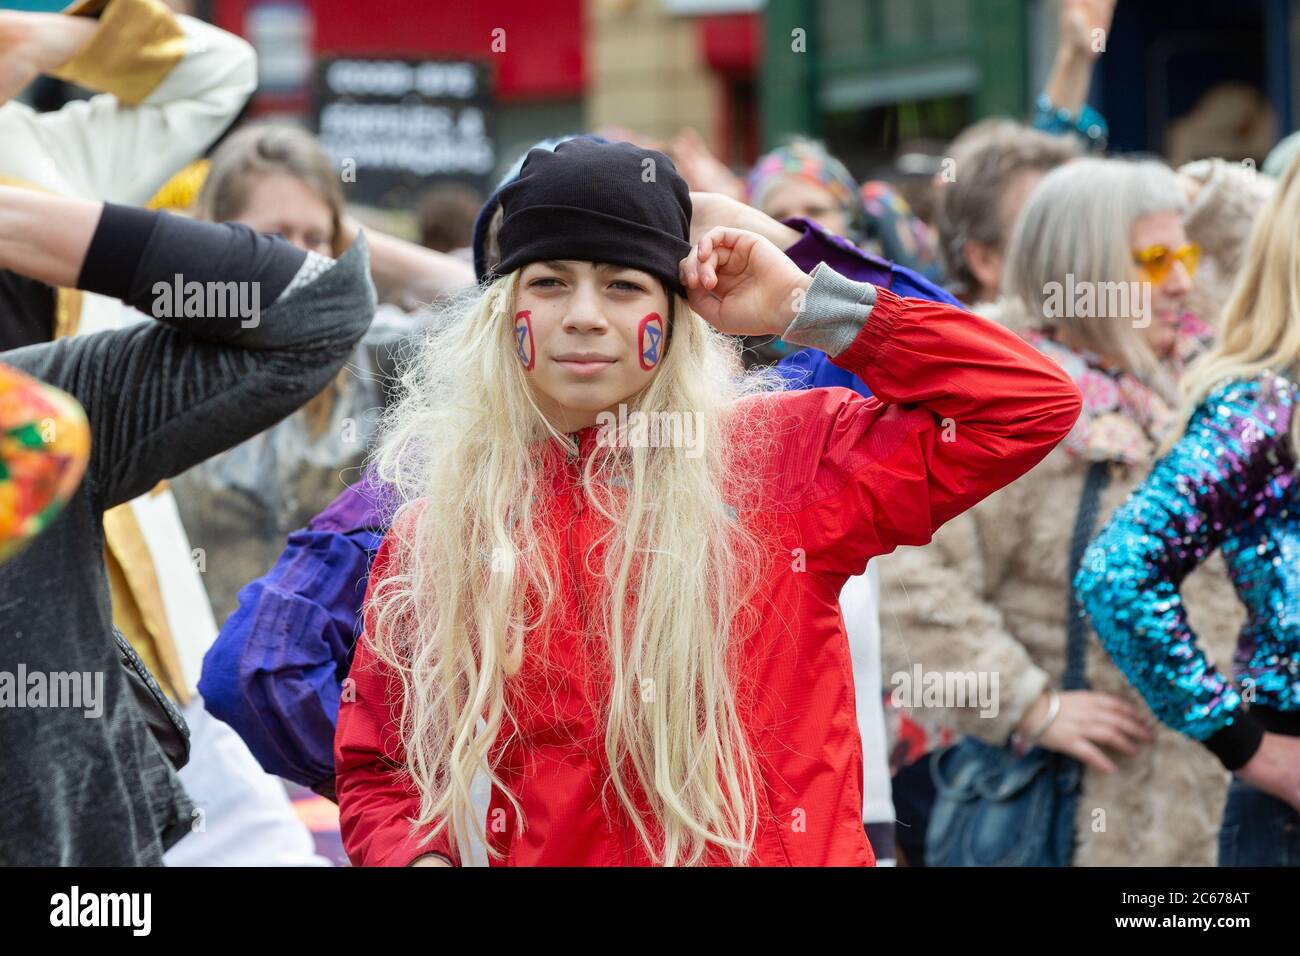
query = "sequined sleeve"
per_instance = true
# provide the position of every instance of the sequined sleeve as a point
(1128, 583)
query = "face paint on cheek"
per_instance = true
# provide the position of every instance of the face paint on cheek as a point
(650, 340)
(524, 347)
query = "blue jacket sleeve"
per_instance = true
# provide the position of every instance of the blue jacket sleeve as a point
(276, 671)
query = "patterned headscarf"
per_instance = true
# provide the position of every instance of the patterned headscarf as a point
(809, 160)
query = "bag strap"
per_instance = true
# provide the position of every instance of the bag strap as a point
(1085, 523)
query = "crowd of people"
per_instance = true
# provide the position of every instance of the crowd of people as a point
(605, 524)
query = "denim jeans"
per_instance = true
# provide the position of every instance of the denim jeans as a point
(1258, 829)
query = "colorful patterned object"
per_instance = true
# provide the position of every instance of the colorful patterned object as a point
(1123, 419)
(44, 446)
(1229, 483)
(810, 161)
(904, 239)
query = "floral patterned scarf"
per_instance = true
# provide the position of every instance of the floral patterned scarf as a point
(1123, 419)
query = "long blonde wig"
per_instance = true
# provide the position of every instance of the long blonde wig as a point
(1260, 325)
(473, 577)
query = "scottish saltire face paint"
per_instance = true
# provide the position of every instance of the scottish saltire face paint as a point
(650, 340)
(524, 346)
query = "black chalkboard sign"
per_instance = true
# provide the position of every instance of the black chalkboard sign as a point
(394, 126)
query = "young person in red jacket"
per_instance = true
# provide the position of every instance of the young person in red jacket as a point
(612, 575)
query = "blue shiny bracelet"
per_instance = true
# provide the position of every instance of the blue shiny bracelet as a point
(1090, 125)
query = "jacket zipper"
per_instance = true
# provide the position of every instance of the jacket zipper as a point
(580, 507)
(575, 470)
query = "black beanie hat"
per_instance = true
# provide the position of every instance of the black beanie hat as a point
(597, 202)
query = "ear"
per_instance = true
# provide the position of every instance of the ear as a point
(984, 263)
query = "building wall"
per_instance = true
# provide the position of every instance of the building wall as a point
(859, 55)
(645, 70)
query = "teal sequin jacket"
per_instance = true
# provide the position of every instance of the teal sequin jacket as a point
(1229, 483)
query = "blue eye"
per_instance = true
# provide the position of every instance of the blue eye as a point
(629, 286)
(538, 282)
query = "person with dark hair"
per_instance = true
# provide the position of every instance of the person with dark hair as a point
(446, 215)
(995, 166)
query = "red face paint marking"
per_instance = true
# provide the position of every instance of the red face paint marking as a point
(524, 347)
(650, 340)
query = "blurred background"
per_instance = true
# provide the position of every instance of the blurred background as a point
(883, 82)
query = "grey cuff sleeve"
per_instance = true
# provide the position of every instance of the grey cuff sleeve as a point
(834, 311)
(312, 268)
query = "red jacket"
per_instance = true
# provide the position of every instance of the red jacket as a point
(964, 407)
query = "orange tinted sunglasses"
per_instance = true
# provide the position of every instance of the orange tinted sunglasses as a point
(1156, 262)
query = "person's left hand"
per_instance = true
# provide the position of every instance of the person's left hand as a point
(742, 284)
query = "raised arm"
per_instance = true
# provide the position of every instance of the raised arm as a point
(406, 273)
(169, 86)
(964, 406)
(249, 330)
(36, 43)
(1062, 107)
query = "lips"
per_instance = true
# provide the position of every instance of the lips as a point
(584, 363)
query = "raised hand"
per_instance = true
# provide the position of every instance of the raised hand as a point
(36, 43)
(741, 283)
(703, 171)
(1080, 21)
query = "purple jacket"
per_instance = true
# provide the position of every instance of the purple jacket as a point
(276, 671)
(811, 368)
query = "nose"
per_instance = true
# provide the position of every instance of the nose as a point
(584, 313)
(1179, 281)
